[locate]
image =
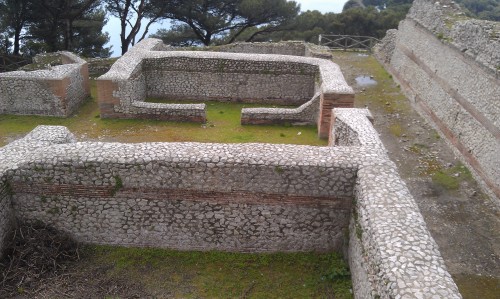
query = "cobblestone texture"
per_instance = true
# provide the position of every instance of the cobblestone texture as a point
(452, 83)
(57, 91)
(391, 252)
(294, 48)
(306, 114)
(238, 197)
(145, 71)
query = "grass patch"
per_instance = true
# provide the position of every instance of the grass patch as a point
(385, 95)
(396, 129)
(227, 275)
(477, 286)
(224, 120)
(448, 178)
(418, 148)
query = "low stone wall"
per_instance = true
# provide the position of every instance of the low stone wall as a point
(295, 48)
(145, 72)
(306, 114)
(391, 253)
(446, 64)
(236, 197)
(99, 66)
(57, 91)
(11, 156)
(6, 213)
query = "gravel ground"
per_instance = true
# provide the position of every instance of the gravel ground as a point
(464, 221)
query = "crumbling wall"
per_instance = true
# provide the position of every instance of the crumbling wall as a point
(56, 91)
(447, 66)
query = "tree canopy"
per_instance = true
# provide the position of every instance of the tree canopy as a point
(228, 19)
(29, 27)
(51, 25)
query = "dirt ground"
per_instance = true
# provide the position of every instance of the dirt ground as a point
(463, 220)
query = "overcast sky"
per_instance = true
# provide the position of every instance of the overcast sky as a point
(113, 25)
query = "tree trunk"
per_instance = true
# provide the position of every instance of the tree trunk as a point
(17, 41)
(67, 34)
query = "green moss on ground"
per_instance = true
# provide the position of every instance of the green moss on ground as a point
(226, 275)
(223, 127)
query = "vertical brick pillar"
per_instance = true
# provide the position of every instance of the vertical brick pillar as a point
(327, 103)
(106, 99)
(59, 90)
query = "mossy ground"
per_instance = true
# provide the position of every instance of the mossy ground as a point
(177, 274)
(223, 126)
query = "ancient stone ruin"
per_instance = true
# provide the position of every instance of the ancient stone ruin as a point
(50, 90)
(448, 66)
(233, 197)
(147, 71)
(346, 197)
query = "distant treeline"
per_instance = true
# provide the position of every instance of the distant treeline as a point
(28, 27)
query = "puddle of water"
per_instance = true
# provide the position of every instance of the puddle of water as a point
(474, 286)
(365, 81)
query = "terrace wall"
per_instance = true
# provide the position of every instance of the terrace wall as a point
(57, 91)
(447, 65)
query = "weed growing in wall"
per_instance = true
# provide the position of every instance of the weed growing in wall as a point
(118, 185)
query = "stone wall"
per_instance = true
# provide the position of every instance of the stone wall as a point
(306, 114)
(295, 48)
(391, 253)
(56, 91)
(99, 66)
(201, 79)
(6, 213)
(236, 197)
(446, 64)
(11, 156)
(145, 71)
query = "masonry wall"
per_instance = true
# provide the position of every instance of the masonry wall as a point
(248, 197)
(6, 213)
(236, 197)
(11, 156)
(57, 91)
(204, 79)
(306, 114)
(282, 48)
(391, 252)
(449, 76)
(151, 69)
